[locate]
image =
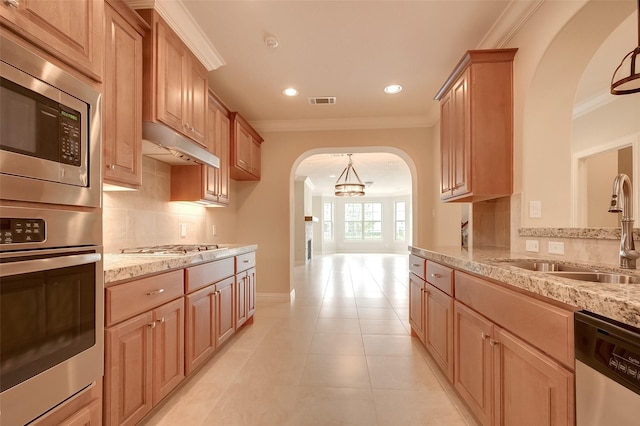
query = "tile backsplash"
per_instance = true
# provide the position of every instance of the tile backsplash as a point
(147, 217)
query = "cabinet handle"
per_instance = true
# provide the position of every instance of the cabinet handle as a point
(111, 166)
(246, 261)
(152, 325)
(485, 336)
(415, 264)
(160, 321)
(14, 3)
(436, 275)
(158, 291)
(493, 342)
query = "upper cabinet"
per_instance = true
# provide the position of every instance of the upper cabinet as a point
(70, 30)
(203, 183)
(245, 150)
(476, 127)
(175, 82)
(122, 101)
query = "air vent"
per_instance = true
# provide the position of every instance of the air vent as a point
(326, 100)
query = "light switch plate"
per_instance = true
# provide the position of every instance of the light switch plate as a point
(532, 245)
(556, 247)
(183, 230)
(535, 208)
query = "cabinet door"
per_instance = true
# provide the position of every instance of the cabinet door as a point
(473, 362)
(212, 181)
(224, 145)
(200, 338)
(168, 357)
(256, 160)
(438, 329)
(127, 380)
(224, 310)
(416, 306)
(531, 389)
(90, 415)
(217, 188)
(243, 148)
(122, 126)
(172, 64)
(446, 125)
(460, 136)
(198, 85)
(70, 30)
(241, 299)
(251, 292)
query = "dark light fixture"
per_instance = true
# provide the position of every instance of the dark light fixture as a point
(626, 78)
(349, 183)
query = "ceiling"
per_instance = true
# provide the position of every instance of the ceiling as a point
(352, 50)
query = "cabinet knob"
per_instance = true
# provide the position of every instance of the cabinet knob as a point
(160, 321)
(14, 3)
(152, 325)
(493, 342)
(485, 336)
(158, 291)
(111, 166)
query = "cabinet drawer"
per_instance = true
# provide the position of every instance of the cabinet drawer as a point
(543, 325)
(208, 273)
(245, 261)
(440, 276)
(417, 266)
(128, 299)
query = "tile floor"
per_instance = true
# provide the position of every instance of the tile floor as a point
(339, 354)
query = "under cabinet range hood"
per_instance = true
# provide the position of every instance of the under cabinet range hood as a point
(164, 144)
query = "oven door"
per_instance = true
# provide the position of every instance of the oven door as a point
(51, 322)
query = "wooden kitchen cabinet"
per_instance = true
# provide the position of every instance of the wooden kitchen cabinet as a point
(71, 30)
(200, 182)
(245, 288)
(476, 127)
(144, 345)
(210, 315)
(504, 378)
(122, 98)
(175, 82)
(438, 327)
(245, 158)
(416, 306)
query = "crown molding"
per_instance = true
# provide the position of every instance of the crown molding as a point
(514, 17)
(180, 20)
(364, 123)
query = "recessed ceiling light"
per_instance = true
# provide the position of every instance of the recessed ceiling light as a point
(392, 89)
(290, 91)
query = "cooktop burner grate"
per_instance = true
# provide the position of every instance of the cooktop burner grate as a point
(172, 249)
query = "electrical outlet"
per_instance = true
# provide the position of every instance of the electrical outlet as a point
(532, 245)
(556, 247)
(535, 209)
(214, 231)
(183, 230)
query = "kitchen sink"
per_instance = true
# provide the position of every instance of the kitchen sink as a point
(598, 277)
(543, 266)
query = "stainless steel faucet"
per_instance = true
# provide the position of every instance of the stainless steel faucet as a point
(622, 202)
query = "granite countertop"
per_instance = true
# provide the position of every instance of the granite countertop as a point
(120, 267)
(618, 301)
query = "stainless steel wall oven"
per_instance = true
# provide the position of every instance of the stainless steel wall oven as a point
(51, 270)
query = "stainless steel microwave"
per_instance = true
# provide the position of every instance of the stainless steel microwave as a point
(49, 132)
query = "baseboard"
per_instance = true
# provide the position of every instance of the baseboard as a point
(276, 297)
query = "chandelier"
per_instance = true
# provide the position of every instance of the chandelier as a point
(626, 78)
(349, 184)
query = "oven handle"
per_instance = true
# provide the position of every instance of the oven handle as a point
(37, 265)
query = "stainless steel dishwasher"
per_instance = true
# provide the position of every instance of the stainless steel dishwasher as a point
(607, 371)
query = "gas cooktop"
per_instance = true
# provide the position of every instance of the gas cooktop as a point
(171, 249)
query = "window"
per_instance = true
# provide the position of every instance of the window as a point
(327, 221)
(401, 221)
(363, 221)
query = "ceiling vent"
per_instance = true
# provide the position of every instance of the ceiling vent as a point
(325, 100)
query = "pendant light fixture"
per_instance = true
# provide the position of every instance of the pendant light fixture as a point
(349, 183)
(626, 78)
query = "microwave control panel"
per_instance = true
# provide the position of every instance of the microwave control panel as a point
(21, 230)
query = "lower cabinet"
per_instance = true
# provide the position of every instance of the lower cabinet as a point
(416, 306)
(506, 381)
(438, 328)
(144, 351)
(245, 296)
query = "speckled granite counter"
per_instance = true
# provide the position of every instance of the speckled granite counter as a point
(617, 301)
(120, 267)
